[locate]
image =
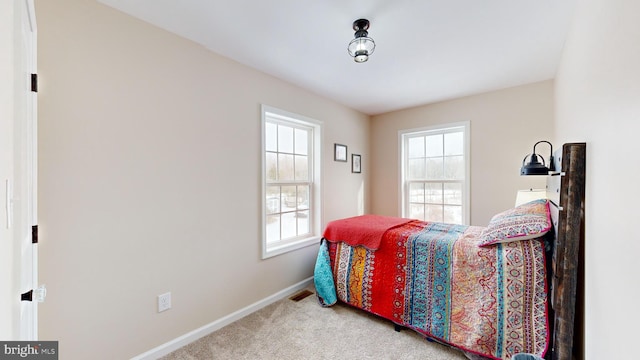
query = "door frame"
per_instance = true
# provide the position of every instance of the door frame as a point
(26, 164)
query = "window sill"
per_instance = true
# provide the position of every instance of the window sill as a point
(275, 250)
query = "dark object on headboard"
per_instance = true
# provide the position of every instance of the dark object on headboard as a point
(566, 190)
(534, 167)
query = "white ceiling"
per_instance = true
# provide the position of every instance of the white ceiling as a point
(426, 50)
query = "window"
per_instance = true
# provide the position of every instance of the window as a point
(291, 181)
(434, 171)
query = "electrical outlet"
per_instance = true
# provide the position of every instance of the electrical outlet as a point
(164, 302)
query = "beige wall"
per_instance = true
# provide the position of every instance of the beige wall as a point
(598, 101)
(149, 181)
(505, 125)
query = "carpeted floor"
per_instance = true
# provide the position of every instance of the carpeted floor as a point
(288, 330)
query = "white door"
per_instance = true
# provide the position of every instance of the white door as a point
(25, 170)
(8, 271)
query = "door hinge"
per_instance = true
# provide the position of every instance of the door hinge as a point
(28, 296)
(34, 82)
(38, 294)
(34, 234)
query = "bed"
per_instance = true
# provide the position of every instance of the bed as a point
(493, 291)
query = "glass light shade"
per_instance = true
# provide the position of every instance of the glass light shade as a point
(361, 47)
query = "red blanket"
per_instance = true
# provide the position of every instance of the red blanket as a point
(364, 230)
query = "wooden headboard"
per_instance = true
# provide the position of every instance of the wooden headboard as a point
(566, 191)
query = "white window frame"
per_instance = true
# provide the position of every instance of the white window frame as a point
(403, 135)
(271, 114)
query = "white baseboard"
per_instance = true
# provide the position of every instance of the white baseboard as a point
(194, 335)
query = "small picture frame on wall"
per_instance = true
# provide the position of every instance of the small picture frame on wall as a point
(340, 152)
(356, 166)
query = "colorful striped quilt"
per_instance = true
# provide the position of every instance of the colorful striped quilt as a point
(436, 280)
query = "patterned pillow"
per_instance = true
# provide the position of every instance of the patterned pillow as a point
(527, 221)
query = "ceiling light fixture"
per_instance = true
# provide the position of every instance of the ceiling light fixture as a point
(362, 46)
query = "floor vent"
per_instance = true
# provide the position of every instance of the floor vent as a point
(301, 295)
